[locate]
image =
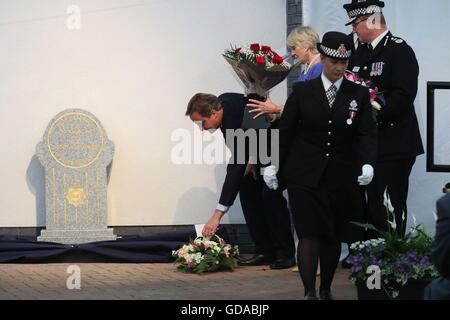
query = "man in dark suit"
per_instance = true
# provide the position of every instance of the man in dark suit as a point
(439, 289)
(392, 66)
(265, 210)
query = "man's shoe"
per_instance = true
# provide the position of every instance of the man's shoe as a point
(326, 295)
(279, 264)
(256, 260)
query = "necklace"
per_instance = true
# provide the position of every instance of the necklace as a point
(311, 63)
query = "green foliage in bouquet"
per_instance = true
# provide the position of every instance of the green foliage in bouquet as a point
(398, 258)
(206, 255)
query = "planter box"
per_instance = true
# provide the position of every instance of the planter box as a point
(413, 290)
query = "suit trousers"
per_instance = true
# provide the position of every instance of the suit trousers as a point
(391, 176)
(268, 218)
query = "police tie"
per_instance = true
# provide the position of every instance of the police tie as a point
(331, 94)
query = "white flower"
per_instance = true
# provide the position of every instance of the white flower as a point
(387, 201)
(376, 105)
(435, 216)
(393, 224)
(414, 220)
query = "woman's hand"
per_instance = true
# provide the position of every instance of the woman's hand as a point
(263, 107)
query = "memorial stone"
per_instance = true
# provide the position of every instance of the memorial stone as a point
(75, 153)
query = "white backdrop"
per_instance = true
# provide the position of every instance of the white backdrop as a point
(134, 64)
(424, 25)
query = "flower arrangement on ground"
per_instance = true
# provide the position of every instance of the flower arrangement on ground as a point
(206, 254)
(399, 259)
(377, 99)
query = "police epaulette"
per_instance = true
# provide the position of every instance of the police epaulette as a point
(397, 40)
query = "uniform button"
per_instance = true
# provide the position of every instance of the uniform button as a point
(328, 144)
(329, 133)
(327, 154)
(365, 68)
(330, 121)
(392, 124)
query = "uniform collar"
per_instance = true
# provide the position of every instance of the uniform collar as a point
(327, 83)
(377, 40)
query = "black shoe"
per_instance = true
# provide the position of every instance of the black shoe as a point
(283, 264)
(326, 295)
(311, 295)
(256, 260)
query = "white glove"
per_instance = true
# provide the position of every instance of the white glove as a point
(367, 175)
(270, 177)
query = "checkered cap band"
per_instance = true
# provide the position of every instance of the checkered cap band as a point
(335, 53)
(364, 11)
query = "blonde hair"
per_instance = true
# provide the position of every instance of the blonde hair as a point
(304, 36)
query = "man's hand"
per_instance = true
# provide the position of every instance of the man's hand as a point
(367, 175)
(270, 177)
(211, 226)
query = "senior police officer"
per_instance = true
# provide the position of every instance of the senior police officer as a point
(390, 63)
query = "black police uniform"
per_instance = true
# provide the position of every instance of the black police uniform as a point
(321, 155)
(393, 67)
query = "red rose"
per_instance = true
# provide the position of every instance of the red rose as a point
(277, 59)
(254, 47)
(260, 61)
(237, 50)
(265, 49)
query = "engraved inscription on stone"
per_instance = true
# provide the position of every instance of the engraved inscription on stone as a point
(75, 140)
(75, 153)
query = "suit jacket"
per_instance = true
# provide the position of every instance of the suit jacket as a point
(393, 67)
(440, 288)
(441, 245)
(313, 135)
(233, 105)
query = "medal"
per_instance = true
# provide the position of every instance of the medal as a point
(380, 69)
(353, 109)
(373, 72)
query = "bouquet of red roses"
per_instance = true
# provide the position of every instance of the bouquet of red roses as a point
(259, 68)
(376, 97)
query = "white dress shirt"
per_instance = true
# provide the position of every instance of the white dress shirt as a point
(327, 83)
(377, 40)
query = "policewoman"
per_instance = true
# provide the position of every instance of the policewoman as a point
(390, 63)
(327, 148)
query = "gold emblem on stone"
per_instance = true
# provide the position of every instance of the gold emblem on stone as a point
(76, 195)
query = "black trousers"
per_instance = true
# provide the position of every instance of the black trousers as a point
(268, 218)
(393, 177)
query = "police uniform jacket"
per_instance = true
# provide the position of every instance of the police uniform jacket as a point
(393, 67)
(321, 155)
(313, 135)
